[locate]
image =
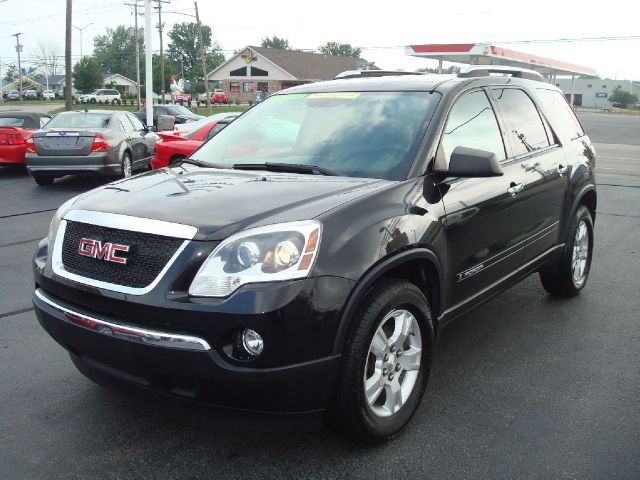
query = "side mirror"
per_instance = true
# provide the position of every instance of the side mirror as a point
(152, 128)
(472, 163)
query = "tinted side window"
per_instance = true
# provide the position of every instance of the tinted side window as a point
(523, 122)
(563, 120)
(137, 124)
(472, 123)
(214, 131)
(125, 123)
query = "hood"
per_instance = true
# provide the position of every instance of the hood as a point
(221, 202)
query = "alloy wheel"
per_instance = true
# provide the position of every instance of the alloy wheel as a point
(393, 363)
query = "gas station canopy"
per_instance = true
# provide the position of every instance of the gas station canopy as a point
(486, 54)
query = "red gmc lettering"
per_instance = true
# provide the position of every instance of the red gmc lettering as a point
(107, 251)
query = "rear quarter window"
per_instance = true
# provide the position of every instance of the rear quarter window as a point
(559, 113)
(11, 122)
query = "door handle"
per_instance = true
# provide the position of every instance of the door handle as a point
(562, 169)
(514, 189)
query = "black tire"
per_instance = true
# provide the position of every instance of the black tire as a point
(115, 101)
(349, 413)
(44, 180)
(126, 172)
(92, 100)
(562, 281)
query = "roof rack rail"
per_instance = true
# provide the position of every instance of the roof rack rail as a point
(486, 70)
(371, 73)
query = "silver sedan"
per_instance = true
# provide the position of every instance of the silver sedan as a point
(101, 142)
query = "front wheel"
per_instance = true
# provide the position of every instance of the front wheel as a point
(385, 364)
(574, 265)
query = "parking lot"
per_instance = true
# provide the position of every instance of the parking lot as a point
(527, 386)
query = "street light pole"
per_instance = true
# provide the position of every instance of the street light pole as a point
(80, 30)
(19, 49)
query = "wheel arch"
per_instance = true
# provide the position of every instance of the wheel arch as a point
(419, 266)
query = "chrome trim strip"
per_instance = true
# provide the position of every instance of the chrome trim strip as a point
(125, 332)
(470, 272)
(58, 267)
(133, 224)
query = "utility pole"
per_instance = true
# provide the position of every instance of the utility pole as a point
(1, 82)
(19, 49)
(137, 40)
(67, 59)
(160, 26)
(204, 62)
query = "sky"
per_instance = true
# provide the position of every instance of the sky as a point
(602, 35)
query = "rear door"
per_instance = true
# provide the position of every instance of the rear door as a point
(484, 220)
(133, 139)
(542, 163)
(148, 139)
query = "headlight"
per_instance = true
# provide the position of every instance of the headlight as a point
(276, 252)
(60, 212)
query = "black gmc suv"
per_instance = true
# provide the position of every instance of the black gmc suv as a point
(301, 263)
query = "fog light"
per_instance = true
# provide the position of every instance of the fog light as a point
(252, 342)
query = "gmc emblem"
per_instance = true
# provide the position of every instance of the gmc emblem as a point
(103, 251)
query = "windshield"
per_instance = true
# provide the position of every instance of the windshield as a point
(356, 134)
(178, 110)
(80, 120)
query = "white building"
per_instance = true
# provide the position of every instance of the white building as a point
(595, 92)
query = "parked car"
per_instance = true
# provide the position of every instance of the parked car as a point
(30, 94)
(189, 127)
(217, 96)
(13, 95)
(48, 95)
(176, 146)
(104, 95)
(180, 113)
(100, 142)
(302, 262)
(15, 129)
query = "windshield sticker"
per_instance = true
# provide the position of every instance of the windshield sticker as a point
(334, 95)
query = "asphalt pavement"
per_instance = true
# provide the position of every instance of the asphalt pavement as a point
(526, 386)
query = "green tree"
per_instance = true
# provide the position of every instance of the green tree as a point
(340, 49)
(275, 42)
(622, 98)
(87, 75)
(184, 50)
(116, 51)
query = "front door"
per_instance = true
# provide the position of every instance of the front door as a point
(484, 221)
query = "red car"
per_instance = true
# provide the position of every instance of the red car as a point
(219, 97)
(177, 145)
(15, 129)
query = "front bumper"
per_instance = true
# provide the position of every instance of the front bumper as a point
(182, 365)
(100, 163)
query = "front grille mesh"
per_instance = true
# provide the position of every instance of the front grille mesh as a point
(147, 256)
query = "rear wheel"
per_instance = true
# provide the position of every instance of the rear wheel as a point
(127, 168)
(44, 180)
(574, 265)
(385, 364)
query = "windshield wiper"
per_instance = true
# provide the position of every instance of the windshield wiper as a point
(200, 163)
(286, 167)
